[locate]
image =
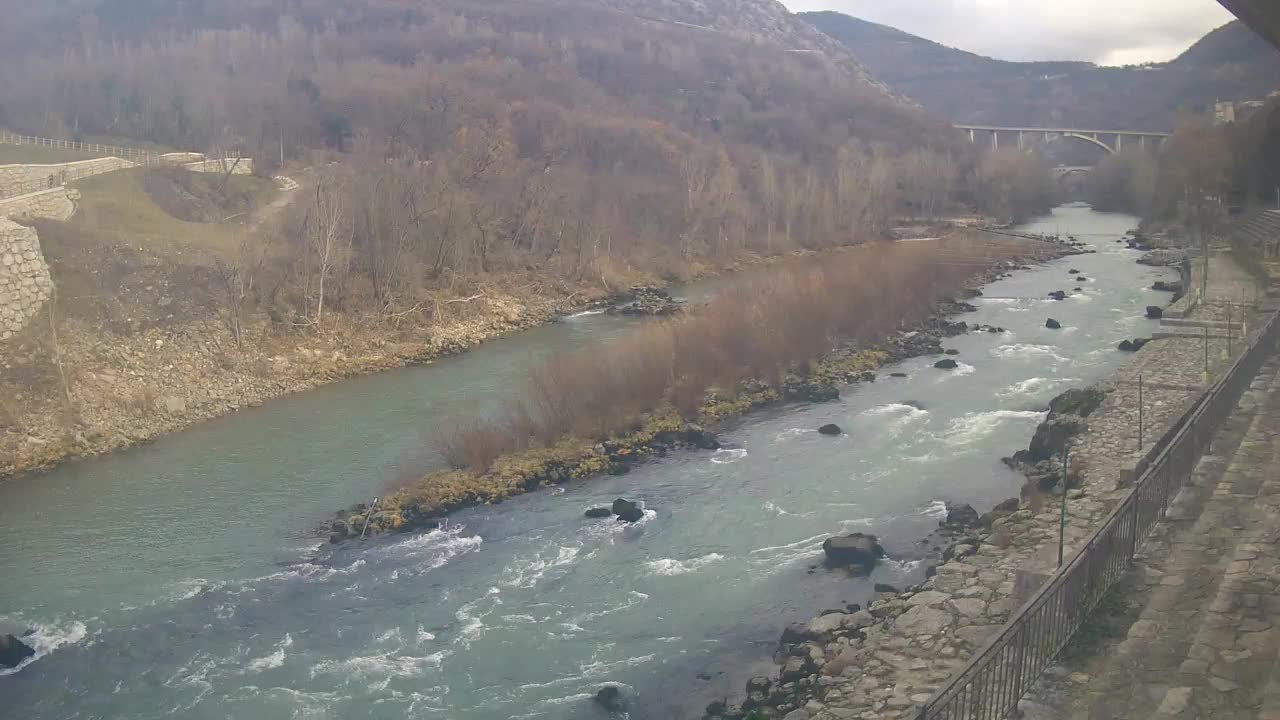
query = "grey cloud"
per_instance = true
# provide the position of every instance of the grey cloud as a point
(1103, 31)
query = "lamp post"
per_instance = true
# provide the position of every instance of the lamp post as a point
(1062, 518)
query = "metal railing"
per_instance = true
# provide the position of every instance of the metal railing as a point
(990, 685)
(142, 157)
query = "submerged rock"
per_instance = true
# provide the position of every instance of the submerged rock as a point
(1073, 271)
(1133, 345)
(856, 550)
(610, 698)
(598, 512)
(913, 404)
(1053, 324)
(627, 511)
(898, 374)
(1058, 295)
(1165, 286)
(946, 364)
(951, 351)
(1155, 312)
(830, 429)
(13, 651)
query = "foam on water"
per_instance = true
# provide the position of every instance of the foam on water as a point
(668, 566)
(972, 427)
(378, 670)
(1027, 351)
(584, 313)
(275, 659)
(726, 456)
(47, 637)
(525, 573)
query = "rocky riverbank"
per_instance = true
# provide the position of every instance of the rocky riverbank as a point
(425, 502)
(886, 660)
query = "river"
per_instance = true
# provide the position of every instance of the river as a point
(184, 578)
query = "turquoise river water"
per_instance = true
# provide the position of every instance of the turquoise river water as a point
(185, 578)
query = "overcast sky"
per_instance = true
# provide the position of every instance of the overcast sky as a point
(1109, 32)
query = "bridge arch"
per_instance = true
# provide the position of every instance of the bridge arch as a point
(1090, 139)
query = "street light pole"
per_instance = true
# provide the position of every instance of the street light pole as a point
(1062, 518)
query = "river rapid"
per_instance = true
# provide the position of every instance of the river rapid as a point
(185, 578)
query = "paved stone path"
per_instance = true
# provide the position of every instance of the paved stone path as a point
(1205, 644)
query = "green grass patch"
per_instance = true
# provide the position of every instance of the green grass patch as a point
(40, 155)
(1107, 624)
(117, 206)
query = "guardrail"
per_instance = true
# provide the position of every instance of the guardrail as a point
(142, 157)
(990, 685)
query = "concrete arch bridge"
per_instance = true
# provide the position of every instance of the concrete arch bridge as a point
(1112, 141)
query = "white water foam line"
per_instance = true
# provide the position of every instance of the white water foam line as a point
(973, 427)
(669, 567)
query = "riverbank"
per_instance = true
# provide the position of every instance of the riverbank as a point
(885, 660)
(423, 503)
(180, 367)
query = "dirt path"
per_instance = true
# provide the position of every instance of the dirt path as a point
(289, 191)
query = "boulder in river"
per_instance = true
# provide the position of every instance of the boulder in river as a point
(610, 698)
(1081, 278)
(1155, 312)
(951, 351)
(961, 515)
(1073, 271)
(897, 375)
(856, 550)
(1077, 401)
(1166, 286)
(1053, 324)
(830, 429)
(946, 364)
(1053, 435)
(1058, 295)
(627, 511)
(598, 512)
(13, 651)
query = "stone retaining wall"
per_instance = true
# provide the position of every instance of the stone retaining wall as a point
(25, 283)
(55, 204)
(24, 179)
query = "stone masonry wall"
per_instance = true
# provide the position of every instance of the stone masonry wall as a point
(23, 179)
(25, 283)
(55, 204)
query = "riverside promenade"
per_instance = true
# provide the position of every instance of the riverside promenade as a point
(887, 660)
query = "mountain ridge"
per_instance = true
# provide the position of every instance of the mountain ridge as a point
(1228, 63)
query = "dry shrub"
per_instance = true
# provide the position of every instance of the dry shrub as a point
(768, 324)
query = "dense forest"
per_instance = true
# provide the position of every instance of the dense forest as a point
(1230, 63)
(582, 138)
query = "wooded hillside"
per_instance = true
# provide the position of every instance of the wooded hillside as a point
(1230, 63)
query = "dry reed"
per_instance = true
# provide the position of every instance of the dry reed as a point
(770, 323)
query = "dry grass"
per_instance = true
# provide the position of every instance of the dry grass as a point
(770, 324)
(117, 207)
